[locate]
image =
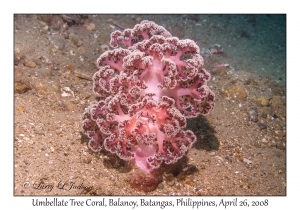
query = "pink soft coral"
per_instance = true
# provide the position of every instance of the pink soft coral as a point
(147, 89)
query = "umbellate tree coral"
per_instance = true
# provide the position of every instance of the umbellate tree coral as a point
(147, 86)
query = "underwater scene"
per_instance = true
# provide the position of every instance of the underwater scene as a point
(141, 104)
